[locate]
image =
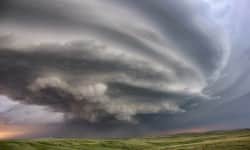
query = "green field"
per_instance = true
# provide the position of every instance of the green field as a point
(228, 140)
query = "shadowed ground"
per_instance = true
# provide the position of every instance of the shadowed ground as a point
(221, 140)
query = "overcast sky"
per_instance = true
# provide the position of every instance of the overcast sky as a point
(113, 68)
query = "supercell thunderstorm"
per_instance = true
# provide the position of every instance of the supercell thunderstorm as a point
(111, 62)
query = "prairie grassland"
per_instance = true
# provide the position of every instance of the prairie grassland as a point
(220, 140)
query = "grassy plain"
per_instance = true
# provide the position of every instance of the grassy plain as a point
(220, 140)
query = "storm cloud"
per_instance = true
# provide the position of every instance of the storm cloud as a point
(91, 82)
(123, 63)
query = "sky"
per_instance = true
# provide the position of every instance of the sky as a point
(123, 68)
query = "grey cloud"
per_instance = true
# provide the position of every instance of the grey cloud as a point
(79, 82)
(153, 63)
(179, 22)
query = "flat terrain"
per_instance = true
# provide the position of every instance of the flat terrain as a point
(221, 140)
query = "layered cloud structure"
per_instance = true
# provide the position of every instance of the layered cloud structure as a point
(110, 61)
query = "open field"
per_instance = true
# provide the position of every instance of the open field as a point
(220, 140)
